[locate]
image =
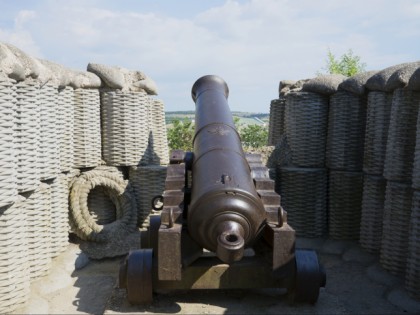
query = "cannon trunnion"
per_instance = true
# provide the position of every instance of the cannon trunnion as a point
(221, 225)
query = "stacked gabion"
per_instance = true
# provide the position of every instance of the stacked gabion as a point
(396, 221)
(377, 122)
(412, 275)
(59, 215)
(306, 210)
(37, 208)
(372, 213)
(276, 124)
(87, 128)
(65, 128)
(48, 145)
(8, 171)
(157, 151)
(27, 136)
(125, 127)
(14, 271)
(147, 182)
(344, 157)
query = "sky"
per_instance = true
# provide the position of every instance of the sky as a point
(251, 44)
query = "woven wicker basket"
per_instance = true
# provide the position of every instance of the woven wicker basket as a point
(276, 123)
(37, 207)
(59, 214)
(345, 204)
(27, 136)
(14, 271)
(372, 213)
(402, 136)
(65, 128)
(8, 166)
(397, 210)
(125, 127)
(412, 274)
(304, 196)
(416, 163)
(306, 119)
(147, 182)
(87, 128)
(376, 135)
(49, 162)
(157, 150)
(346, 131)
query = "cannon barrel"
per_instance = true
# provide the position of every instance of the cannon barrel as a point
(225, 213)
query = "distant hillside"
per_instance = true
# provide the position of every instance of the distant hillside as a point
(245, 118)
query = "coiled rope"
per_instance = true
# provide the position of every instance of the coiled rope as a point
(84, 224)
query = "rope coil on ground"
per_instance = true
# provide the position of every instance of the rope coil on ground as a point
(84, 224)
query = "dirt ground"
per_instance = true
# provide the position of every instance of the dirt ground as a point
(356, 284)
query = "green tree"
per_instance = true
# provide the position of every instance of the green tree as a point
(180, 135)
(348, 64)
(255, 136)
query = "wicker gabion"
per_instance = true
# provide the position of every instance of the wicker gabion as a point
(148, 182)
(84, 225)
(27, 136)
(376, 135)
(65, 128)
(125, 127)
(157, 150)
(372, 213)
(37, 207)
(8, 165)
(412, 274)
(14, 271)
(345, 203)
(276, 123)
(306, 119)
(346, 132)
(59, 214)
(49, 162)
(87, 128)
(396, 221)
(416, 163)
(402, 136)
(306, 208)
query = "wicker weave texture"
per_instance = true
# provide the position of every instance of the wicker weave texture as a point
(125, 127)
(396, 220)
(59, 215)
(376, 135)
(65, 128)
(306, 119)
(401, 136)
(416, 163)
(276, 122)
(147, 182)
(412, 274)
(8, 165)
(87, 128)
(49, 162)
(306, 208)
(14, 271)
(346, 131)
(38, 212)
(157, 150)
(345, 204)
(27, 136)
(372, 213)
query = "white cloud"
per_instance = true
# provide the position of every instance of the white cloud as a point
(252, 44)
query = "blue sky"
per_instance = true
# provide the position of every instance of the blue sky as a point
(252, 44)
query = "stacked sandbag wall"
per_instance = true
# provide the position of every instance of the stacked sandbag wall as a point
(51, 142)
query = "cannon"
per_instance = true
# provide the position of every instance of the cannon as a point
(221, 225)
